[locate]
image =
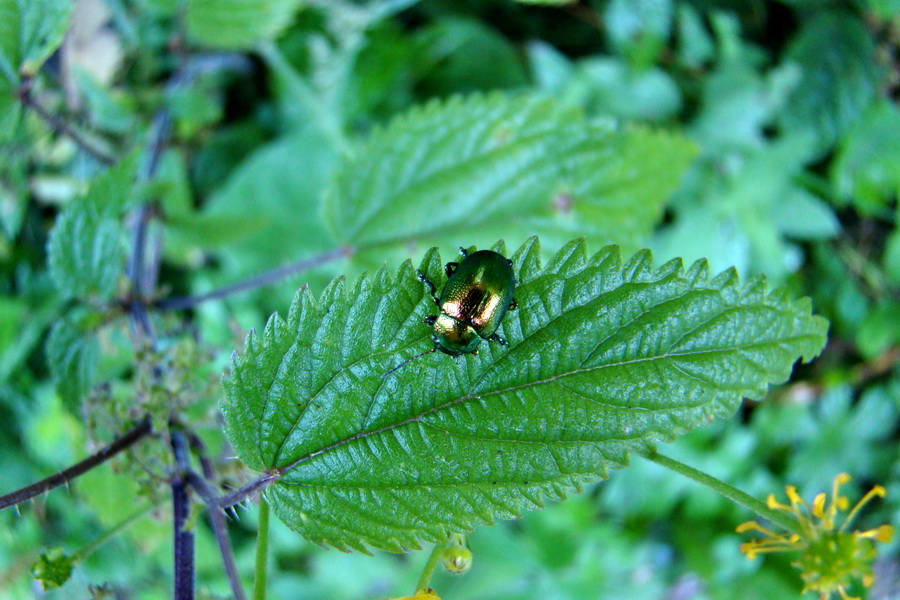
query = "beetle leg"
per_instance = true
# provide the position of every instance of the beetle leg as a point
(463, 252)
(513, 305)
(450, 269)
(497, 338)
(432, 289)
(429, 320)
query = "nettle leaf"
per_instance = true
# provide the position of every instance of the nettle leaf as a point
(237, 24)
(73, 354)
(490, 166)
(86, 252)
(603, 358)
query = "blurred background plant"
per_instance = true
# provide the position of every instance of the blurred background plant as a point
(792, 169)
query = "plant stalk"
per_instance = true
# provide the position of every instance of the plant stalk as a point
(262, 550)
(264, 279)
(431, 565)
(66, 475)
(724, 489)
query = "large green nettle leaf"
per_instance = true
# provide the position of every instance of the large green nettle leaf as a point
(603, 358)
(500, 165)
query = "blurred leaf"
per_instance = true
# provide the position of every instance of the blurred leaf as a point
(839, 74)
(213, 231)
(9, 108)
(879, 330)
(22, 324)
(621, 91)
(457, 55)
(107, 112)
(638, 28)
(738, 103)
(86, 252)
(695, 45)
(866, 171)
(841, 435)
(547, 2)
(43, 25)
(53, 568)
(10, 17)
(491, 166)
(550, 68)
(801, 215)
(193, 109)
(603, 359)
(237, 24)
(886, 9)
(272, 204)
(382, 79)
(73, 354)
(748, 207)
(891, 260)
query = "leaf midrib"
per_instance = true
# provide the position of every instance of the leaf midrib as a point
(466, 398)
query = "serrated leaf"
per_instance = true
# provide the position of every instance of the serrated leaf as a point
(604, 358)
(85, 252)
(236, 24)
(73, 354)
(43, 25)
(839, 76)
(491, 166)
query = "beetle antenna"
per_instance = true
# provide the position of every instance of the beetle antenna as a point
(408, 360)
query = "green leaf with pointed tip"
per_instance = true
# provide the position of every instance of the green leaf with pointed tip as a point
(86, 252)
(236, 24)
(603, 358)
(485, 167)
(43, 25)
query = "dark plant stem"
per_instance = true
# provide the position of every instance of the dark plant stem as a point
(183, 536)
(238, 496)
(200, 448)
(221, 530)
(262, 551)
(267, 278)
(59, 125)
(36, 489)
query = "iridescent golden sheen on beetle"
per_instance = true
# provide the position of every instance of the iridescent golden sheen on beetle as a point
(472, 305)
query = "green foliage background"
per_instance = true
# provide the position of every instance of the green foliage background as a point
(761, 135)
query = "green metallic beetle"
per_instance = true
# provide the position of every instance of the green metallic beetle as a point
(477, 296)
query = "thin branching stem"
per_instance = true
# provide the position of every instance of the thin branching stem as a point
(220, 529)
(132, 436)
(244, 493)
(264, 279)
(60, 125)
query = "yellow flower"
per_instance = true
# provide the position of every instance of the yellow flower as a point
(423, 594)
(831, 557)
